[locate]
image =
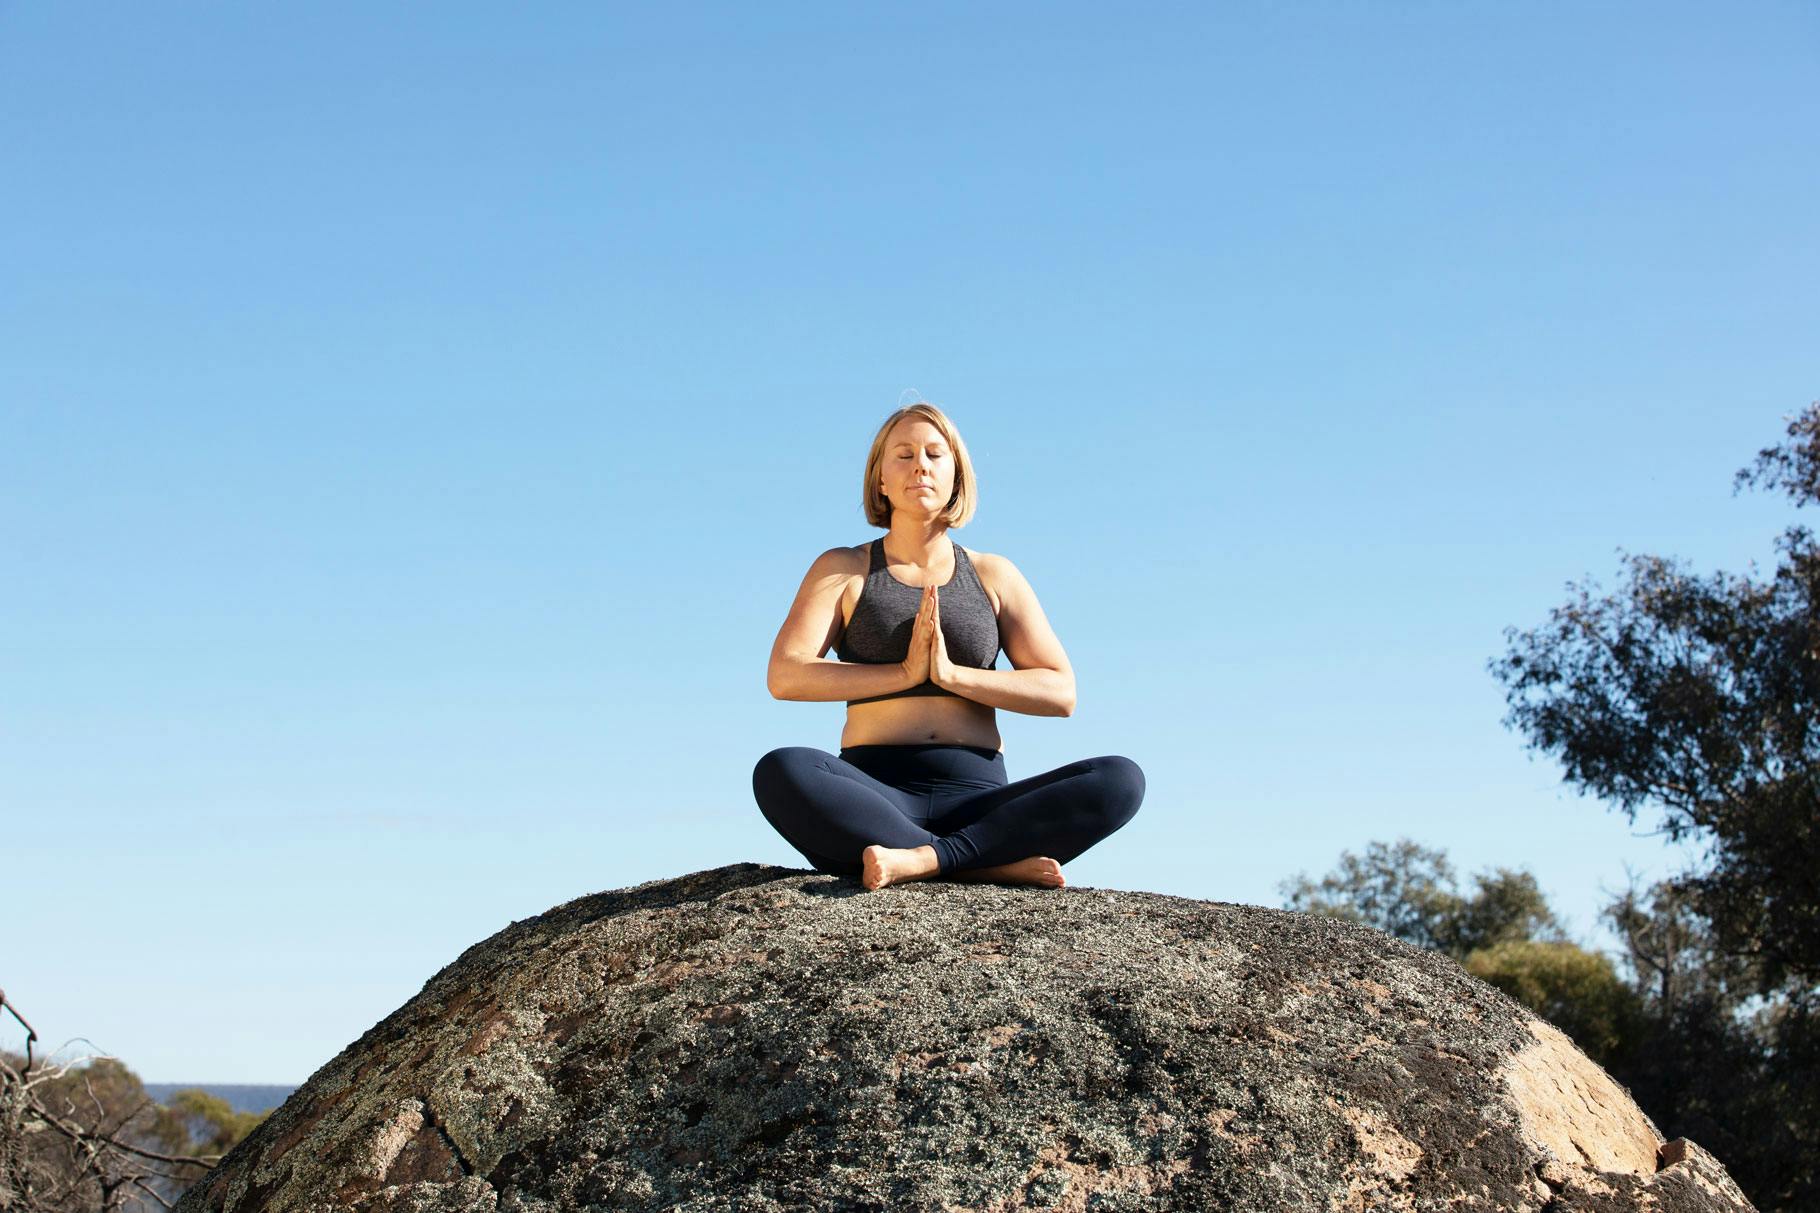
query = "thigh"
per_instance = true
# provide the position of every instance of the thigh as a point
(1090, 786)
(815, 776)
(830, 810)
(1059, 814)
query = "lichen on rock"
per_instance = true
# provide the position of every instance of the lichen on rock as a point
(763, 1038)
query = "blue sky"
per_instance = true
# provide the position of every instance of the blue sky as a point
(415, 423)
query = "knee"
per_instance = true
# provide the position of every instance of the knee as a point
(1121, 787)
(780, 773)
(768, 774)
(779, 761)
(768, 767)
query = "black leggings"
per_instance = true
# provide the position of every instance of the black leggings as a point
(954, 798)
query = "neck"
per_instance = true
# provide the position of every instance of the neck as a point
(918, 541)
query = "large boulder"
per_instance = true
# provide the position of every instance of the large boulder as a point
(765, 1038)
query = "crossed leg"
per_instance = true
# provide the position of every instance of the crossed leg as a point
(1021, 831)
(1044, 820)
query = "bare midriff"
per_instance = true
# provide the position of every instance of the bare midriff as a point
(921, 720)
(918, 719)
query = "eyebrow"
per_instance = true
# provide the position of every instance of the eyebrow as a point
(931, 442)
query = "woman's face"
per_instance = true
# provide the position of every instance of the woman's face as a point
(916, 455)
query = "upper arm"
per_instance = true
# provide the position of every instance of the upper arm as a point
(814, 621)
(1023, 630)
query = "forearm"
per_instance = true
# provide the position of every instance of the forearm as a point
(824, 680)
(1035, 692)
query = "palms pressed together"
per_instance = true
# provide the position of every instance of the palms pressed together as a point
(881, 865)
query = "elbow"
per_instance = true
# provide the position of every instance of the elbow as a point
(777, 680)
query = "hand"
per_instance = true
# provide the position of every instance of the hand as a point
(917, 660)
(941, 670)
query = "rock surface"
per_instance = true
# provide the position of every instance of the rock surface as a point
(765, 1038)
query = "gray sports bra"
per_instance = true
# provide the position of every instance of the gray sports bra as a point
(885, 616)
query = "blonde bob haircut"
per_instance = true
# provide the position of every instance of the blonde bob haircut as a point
(959, 510)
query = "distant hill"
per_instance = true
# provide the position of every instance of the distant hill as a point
(241, 1096)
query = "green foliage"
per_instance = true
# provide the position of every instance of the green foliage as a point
(1672, 956)
(101, 1091)
(61, 1129)
(193, 1122)
(1410, 892)
(1578, 991)
(72, 1136)
(1698, 696)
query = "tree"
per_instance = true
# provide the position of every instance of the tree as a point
(1697, 695)
(77, 1137)
(84, 1137)
(1577, 990)
(1672, 957)
(194, 1123)
(1410, 892)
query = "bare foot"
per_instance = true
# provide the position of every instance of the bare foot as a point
(1039, 870)
(880, 866)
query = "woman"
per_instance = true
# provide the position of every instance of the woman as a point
(919, 788)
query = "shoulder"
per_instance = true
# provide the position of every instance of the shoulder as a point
(839, 560)
(842, 563)
(847, 563)
(991, 564)
(997, 574)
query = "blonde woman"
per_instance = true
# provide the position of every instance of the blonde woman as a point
(919, 788)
